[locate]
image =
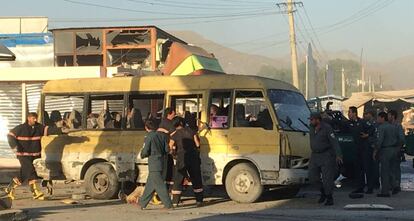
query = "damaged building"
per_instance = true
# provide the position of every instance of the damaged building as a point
(43, 55)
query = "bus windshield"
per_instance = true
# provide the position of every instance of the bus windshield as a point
(291, 109)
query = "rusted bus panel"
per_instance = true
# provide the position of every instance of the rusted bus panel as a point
(67, 154)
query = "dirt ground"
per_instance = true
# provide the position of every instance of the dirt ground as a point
(279, 204)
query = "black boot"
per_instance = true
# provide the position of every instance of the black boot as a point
(199, 199)
(176, 199)
(329, 200)
(323, 197)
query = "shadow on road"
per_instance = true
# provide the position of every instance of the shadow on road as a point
(39, 212)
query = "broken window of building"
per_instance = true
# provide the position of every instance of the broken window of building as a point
(116, 38)
(133, 58)
(88, 42)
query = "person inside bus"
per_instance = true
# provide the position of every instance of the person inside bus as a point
(239, 116)
(74, 120)
(216, 119)
(117, 118)
(264, 119)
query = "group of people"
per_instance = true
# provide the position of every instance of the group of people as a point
(379, 139)
(172, 138)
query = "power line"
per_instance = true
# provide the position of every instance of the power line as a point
(363, 13)
(192, 6)
(227, 17)
(314, 32)
(146, 11)
(240, 3)
(317, 53)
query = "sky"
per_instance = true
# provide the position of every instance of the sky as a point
(382, 27)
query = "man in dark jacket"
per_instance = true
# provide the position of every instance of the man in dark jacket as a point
(155, 148)
(24, 140)
(325, 152)
(358, 128)
(185, 144)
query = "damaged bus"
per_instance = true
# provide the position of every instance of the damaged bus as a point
(253, 130)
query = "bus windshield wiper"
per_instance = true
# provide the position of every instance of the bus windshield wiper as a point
(289, 125)
(304, 124)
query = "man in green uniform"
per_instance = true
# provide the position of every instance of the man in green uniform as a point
(325, 151)
(156, 148)
(392, 118)
(387, 148)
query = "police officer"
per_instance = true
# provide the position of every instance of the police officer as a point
(186, 144)
(387, 148)
(372, 165)
(156, 148)
(24, 140)
(357, 128)
(392, 118)
(325, 151)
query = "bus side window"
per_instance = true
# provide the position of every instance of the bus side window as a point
(105, 112)
(189, 107)
(142, 107)
(219, 109)
(63, 112)
(251, 110)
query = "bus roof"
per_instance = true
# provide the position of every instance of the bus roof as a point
(163, 83)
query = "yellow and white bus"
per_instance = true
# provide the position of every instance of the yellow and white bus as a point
(253, 130)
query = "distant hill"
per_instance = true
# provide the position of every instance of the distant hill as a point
(233, 61)
(398, 73)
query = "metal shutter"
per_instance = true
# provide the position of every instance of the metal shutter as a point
(10, 113)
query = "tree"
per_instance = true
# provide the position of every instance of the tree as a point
(274, 73)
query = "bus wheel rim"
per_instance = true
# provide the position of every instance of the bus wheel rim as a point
(100, 182)
(243, 182)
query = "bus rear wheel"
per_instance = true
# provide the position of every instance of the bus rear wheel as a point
(243, 183)
(101, 181)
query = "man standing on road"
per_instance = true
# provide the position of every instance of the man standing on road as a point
(156, 148)
(396, 171)
(387, 148)
(24, 140)
(372, 165)
(325, 152)
(357, 128)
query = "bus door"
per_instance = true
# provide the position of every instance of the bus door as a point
(214, 136)
(253, 135)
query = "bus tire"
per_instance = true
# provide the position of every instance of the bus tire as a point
(243, 183)
(101, 181)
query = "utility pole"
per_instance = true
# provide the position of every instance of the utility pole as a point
(362, 72)
(369, 84)
(290, 5)
(343, 82)
(307, 77)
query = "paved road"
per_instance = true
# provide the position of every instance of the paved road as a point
(275, 205)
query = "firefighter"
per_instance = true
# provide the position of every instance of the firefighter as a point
(185, 144)
(24, 140)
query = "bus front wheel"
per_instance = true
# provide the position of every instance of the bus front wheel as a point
(101, 181)
(243, 183)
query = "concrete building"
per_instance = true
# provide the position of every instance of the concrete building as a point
(68, 53)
